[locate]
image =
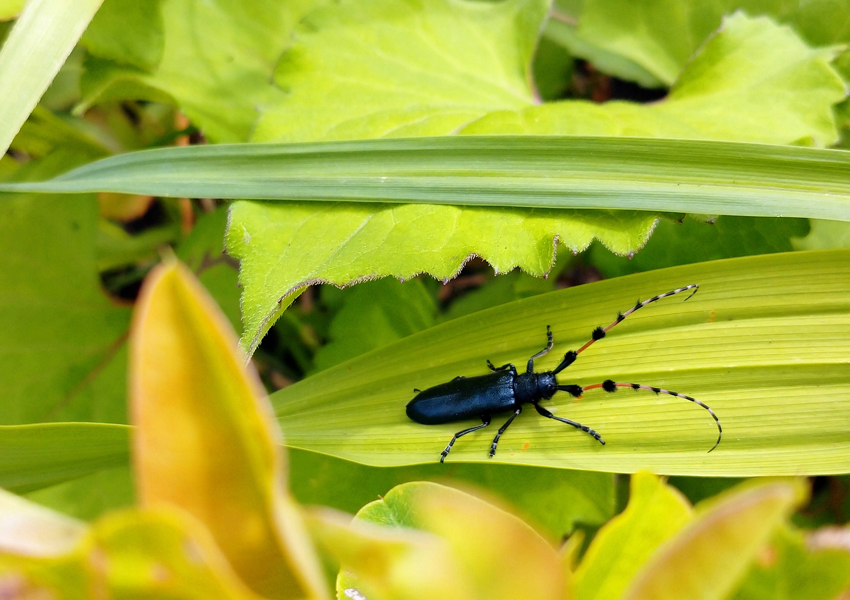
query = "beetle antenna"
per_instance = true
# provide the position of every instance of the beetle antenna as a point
(611, 386)
(599, 332)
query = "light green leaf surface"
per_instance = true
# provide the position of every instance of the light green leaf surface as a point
(37, 456)
(62, 341)
(403, 68)
(129, 32)
(217, 61)
(719, 95)
(764, 343)
(654, 514)
(650, 41)
(41, 40)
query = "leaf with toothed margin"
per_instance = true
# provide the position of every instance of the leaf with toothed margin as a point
(342, 244)
(716, 97)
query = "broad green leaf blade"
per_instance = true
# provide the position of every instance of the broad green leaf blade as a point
(397, 68)
(764, 343)
(651, 41)
(36, 456)
(719, 96)
(62, 341)
(708, 557)
(660, 175)
(279, 253)
(204, 425)
(41, 40)
(216, 62)
(654, 514)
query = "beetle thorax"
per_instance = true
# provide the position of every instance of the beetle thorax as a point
(531, 387)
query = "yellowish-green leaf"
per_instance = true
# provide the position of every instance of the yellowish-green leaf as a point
(654, 514)
(157, 555)
(41, 40)
(391, 563)
(28, 529)
(707, 558)
(205, 441)
(765, 343)
(9, 9)
(489, 545)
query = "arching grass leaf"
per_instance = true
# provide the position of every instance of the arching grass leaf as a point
(764, 343)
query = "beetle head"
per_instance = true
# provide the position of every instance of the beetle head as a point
(547, 385)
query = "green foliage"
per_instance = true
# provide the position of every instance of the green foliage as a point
(498, 156)
(758, 344)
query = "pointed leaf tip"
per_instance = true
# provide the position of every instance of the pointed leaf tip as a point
(205, 439)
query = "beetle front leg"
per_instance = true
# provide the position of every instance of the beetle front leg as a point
(445, 453)
(502, 430)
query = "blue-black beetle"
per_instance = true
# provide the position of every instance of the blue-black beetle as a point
(506, 390)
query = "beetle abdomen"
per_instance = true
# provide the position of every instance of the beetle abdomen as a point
(464, 398)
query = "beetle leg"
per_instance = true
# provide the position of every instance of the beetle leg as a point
(502, 368)
(550, 342)
(502, 430)
(587, 430)
(445, 453)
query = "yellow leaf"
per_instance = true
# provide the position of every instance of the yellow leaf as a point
(206, 441)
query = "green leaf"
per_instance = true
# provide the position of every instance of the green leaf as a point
(63, 341)
(90, 496)
(692, 241)
(650, 42)
(216, 66)
(374, 315)
(36, 456)
(654, 514)
(542, 172)
(398, 68)
(824, 235)
(41, 40)
(764, 343)
(128, 32)
(489, 544)
(795, 566)
(719, 95)
(708, 557)
(555, 501)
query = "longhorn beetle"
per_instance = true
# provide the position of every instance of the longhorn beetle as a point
(506, 390)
